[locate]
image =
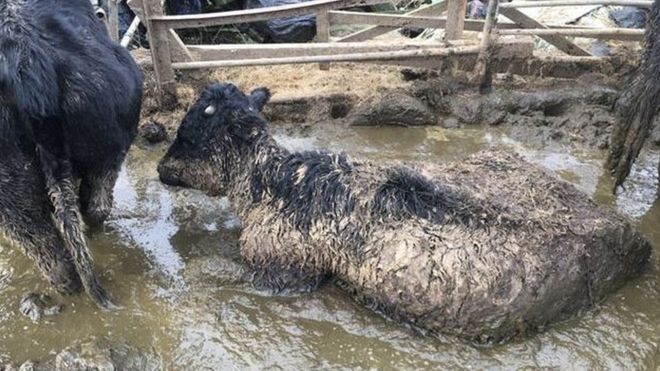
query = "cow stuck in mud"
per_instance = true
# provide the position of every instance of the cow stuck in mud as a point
(69, 107)
(489, 249)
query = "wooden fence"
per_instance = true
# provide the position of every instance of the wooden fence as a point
(169, 53)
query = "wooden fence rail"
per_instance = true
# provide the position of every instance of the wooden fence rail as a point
(554, 3)
(350, 57)
(256, 15)
(371, 32)
(599, 33)
(265, 51)
(390, 20)
(169, 53)
(507, 28)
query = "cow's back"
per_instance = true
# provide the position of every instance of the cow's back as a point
(93, 84)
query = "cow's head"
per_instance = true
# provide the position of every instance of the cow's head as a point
(218, 131)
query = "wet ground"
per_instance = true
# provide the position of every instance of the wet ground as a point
(169, 257)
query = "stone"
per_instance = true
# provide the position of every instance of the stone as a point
(153, 132)
(36, 306)
(450, 123)
(394, 109)
(102, 355)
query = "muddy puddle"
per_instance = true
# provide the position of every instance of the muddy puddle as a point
(169, 257)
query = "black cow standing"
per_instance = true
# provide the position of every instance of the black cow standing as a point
(69, 107)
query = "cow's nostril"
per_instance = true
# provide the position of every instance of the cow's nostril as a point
(167, 176)
(170, 180)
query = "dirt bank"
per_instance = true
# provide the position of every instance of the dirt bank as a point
(564, 111)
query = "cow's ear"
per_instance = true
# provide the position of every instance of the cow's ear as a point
(259, 97)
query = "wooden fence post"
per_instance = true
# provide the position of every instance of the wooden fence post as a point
(323, 32)
(455, 19)
(113, 20)
(160, 54)
(483, 70)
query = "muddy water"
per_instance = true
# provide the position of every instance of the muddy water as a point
(169, 257)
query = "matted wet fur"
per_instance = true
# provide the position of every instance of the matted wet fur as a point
(638, 104)
(489, 249)
(69, 108)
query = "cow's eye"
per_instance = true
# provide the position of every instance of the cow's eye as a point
(210, 110)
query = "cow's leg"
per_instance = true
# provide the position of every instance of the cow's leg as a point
(25, 220)
(63, 197)
(96, 194)
(270, 268)
(40, 241)
(280, 279)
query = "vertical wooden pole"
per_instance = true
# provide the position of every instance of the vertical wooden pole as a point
(455, 19)
(323, 32)
(113, 20)
(483, 71)
(160, 54)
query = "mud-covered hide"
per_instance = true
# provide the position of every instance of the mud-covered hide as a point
(487, 248)
(70, 103)
(550, 252)
(298, 29)
(502, 250)
(638, 104)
